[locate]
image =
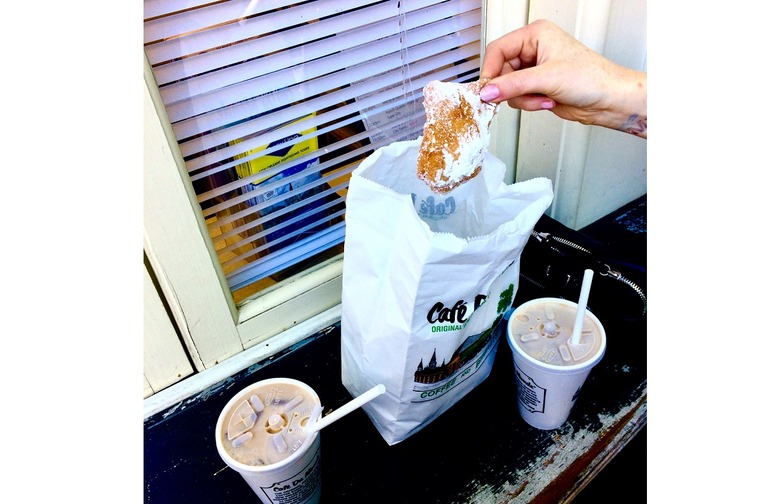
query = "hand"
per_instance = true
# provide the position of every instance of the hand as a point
(541, 67)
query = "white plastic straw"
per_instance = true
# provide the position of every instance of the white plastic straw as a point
(348, 408)
(582, 304)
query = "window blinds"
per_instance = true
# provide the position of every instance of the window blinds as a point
(273, 104)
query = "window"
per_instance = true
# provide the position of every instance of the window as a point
(273, 104)
(264, 108)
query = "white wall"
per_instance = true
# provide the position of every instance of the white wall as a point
(594, 170)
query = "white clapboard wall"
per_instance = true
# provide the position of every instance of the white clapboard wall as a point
(594, 170)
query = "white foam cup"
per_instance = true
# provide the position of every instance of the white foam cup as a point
(549, 369)
(261, 434)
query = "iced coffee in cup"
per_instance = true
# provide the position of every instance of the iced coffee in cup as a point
(261, 433)
(551, 368)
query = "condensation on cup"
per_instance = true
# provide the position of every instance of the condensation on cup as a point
(261, 434)
(550, 369)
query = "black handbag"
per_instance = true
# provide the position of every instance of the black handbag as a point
(553, 264)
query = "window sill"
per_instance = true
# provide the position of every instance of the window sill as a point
(197, 385)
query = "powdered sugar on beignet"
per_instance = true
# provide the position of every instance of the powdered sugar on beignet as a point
(456, 134)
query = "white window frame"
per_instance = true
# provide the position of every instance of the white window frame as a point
(215, 332)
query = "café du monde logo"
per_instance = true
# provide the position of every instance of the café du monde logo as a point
(434, 208)
(470, 352)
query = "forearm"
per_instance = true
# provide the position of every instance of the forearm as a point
(627, 110)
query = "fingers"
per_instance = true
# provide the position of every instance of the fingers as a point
(532, 102)
(517, 49)
(517, 84)
(511, 52)
(495, 60)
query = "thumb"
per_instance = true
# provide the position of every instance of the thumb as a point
(517, 84)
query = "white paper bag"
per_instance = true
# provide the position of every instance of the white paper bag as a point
(426, 281)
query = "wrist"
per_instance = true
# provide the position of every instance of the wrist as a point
(628, 112)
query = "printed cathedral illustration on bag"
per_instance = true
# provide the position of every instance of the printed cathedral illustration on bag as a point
(434, 378)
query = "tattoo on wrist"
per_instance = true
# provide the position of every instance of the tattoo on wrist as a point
(635, 125)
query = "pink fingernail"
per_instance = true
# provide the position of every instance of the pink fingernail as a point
(489, 92)
(547, 104)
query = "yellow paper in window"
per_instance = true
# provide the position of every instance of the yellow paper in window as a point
(288, 152)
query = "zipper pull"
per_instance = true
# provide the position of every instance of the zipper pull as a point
(610, 272)
(542, 237)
